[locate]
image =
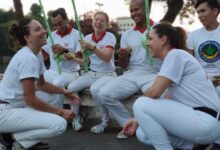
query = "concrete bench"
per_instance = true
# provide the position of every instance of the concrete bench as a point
(88, 109)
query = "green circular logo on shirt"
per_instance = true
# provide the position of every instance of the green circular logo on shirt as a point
(209, 51)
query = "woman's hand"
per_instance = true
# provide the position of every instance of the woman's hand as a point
(86, 45)
(124, 51)
(58, 49)
(69, 56)
(67, 114)
(130, 127)
(72, 98)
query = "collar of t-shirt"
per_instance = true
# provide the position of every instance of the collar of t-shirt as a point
(142, 30)
(95, 39)
(68, 31)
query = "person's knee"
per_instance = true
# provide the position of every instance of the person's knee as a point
(141, 136)
(106, 96)
(73, 87)
(218, 90)
(59, 83)
(94, 90)
(142, 105)
(59, 126)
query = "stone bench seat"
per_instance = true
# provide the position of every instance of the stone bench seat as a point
(88, 109)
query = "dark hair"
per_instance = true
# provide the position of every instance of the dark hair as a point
(59, 11)
(18, 31)
(176, 35)
(211, 3)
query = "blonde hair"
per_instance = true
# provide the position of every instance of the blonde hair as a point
(102, 13)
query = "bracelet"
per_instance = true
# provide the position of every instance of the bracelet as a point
(66, 51)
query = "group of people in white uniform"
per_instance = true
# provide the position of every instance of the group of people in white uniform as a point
(179, 108)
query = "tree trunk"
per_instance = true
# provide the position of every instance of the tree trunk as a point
(174, 7)
(18, 9)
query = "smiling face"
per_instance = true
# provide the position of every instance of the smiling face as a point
(155, 43)
(59, 23)
(100, 23)
(206, 14)
(37, 36)
(137, 12)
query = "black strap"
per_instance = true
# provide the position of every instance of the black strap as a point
(208, 111)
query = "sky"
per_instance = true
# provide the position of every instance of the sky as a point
(114, 8)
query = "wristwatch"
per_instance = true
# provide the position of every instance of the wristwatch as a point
(66, 51)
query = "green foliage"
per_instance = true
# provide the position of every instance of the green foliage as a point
(35, 13)
(4, 50)
(183, 8)
(6, 16)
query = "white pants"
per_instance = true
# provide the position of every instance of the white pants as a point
(86, 81)
(53, 99)
(217, 88)
(122, 87)
(166, 124)
(29, 125)
(94, 89)
(61, 80)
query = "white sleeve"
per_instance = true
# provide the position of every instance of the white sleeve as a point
(111, 41)
(190, 41)
(27, 68)
(173, 67)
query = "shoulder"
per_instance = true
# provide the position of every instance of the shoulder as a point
(129, 32)
(196, 32)
(179, 53)
(110, 35)
(74, 31)
(88, 36)
(25, 53)
(24, 56)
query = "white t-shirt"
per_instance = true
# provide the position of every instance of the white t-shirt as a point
(23, 65)
(107, 40)
(138, 60)
(69, 41)
(190, 85)
(206, 45)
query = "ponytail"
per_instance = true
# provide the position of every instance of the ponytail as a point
(181, 38)
(176, 35)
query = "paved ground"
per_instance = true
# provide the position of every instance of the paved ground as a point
(85, 140)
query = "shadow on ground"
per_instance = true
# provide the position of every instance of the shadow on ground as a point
(85, 140)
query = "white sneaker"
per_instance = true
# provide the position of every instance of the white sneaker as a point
(122, 136)
(100, 127)
(17, 146)
(77, 124)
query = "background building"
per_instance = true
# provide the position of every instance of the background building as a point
(124, 23)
